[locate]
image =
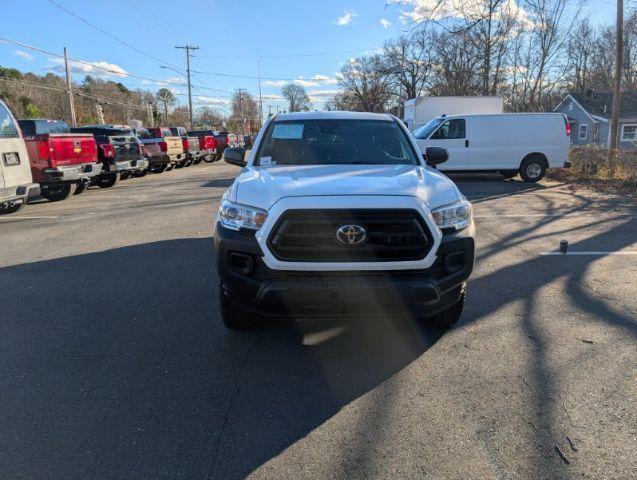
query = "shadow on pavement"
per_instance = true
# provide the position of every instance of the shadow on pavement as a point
(115, 364)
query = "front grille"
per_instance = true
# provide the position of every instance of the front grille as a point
(310, 236)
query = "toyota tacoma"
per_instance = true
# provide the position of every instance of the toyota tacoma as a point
(340, 214)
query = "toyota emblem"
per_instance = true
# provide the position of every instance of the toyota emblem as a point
(351, 235)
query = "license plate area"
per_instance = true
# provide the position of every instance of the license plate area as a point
(11, 159)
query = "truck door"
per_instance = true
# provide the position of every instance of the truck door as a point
(452, 135)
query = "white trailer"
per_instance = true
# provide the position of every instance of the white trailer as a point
(420, 110)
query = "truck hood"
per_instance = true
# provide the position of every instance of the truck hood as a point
(264, 186)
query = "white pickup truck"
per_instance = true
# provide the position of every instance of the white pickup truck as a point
(337, 213)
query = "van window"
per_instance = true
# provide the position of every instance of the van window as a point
(451, 129)
(8, 128)
(423, 132)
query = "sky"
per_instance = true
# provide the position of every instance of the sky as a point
(303, 40)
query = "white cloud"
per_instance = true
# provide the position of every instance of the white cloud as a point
(201, 101)
(347, 18)
(170, 81)
(313, 81)
(98, 69)
(271, 96)
(24, 55)
(385, 23)
(436, 10)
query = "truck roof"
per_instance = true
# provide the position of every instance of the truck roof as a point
(282, 117)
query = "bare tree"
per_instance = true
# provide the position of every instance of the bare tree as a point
(457, 61)
(366, 79)
(298, 100)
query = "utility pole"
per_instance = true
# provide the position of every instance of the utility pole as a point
(69, 89)
(260, 97)
(240, 90)
(188, 48)
(269, 110)
(617, 81)
(100, 113)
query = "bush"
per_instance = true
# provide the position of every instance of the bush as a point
(596, 165)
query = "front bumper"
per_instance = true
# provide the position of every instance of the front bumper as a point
(251, 284)
(19, 194)
(71, 173)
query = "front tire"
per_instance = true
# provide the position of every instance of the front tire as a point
(140, 173)
(209, 159)
(451, 315)
(7, 210)
(533, 168)
(233, 316)
(161, 168)
(56, 192)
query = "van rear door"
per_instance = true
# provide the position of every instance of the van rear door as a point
(14, 159)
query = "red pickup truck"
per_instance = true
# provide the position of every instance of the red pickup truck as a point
(208, 144)
(59, 159)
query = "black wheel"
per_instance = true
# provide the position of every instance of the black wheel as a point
(140, 173)
(198, 160)
(233, 316)
(79, 188)
(158, 168)
(180, 164)
(188, 162)
(124, 175)
(56, 192)
(448, 317)
(107, 180)
(170, 167)
(508, 173)
(8, 209)
(209, 158)
(533, 168)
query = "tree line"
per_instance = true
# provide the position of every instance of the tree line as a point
(531, 52)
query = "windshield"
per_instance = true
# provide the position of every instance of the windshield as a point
(336, 142)
(423, 132)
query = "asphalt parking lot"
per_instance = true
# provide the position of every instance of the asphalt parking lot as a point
(114, 362)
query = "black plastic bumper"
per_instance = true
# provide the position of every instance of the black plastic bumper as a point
(251, 284)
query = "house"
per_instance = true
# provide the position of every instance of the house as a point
(589, 116)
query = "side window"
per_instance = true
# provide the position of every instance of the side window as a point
(583, 131)
(8, 128)
(451, 129)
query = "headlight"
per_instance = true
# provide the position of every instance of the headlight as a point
(456, 216)
(235, 216)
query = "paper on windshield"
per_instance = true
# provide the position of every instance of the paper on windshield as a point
(293, 131)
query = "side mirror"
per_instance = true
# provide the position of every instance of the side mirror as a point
(435, 155)
(235, 156)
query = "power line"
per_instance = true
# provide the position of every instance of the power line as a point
(291, 55)
(101, 30)
(105, 69)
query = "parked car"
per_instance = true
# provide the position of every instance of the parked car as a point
(207, 145)
(507, 143)
(16, 183)
(190, 144)
(61, 162)
(171, 146)
(338, 213)
(118, 150)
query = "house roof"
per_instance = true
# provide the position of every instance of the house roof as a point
(600, 103)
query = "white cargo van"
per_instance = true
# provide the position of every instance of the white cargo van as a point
(16, 183)
(507, 143)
